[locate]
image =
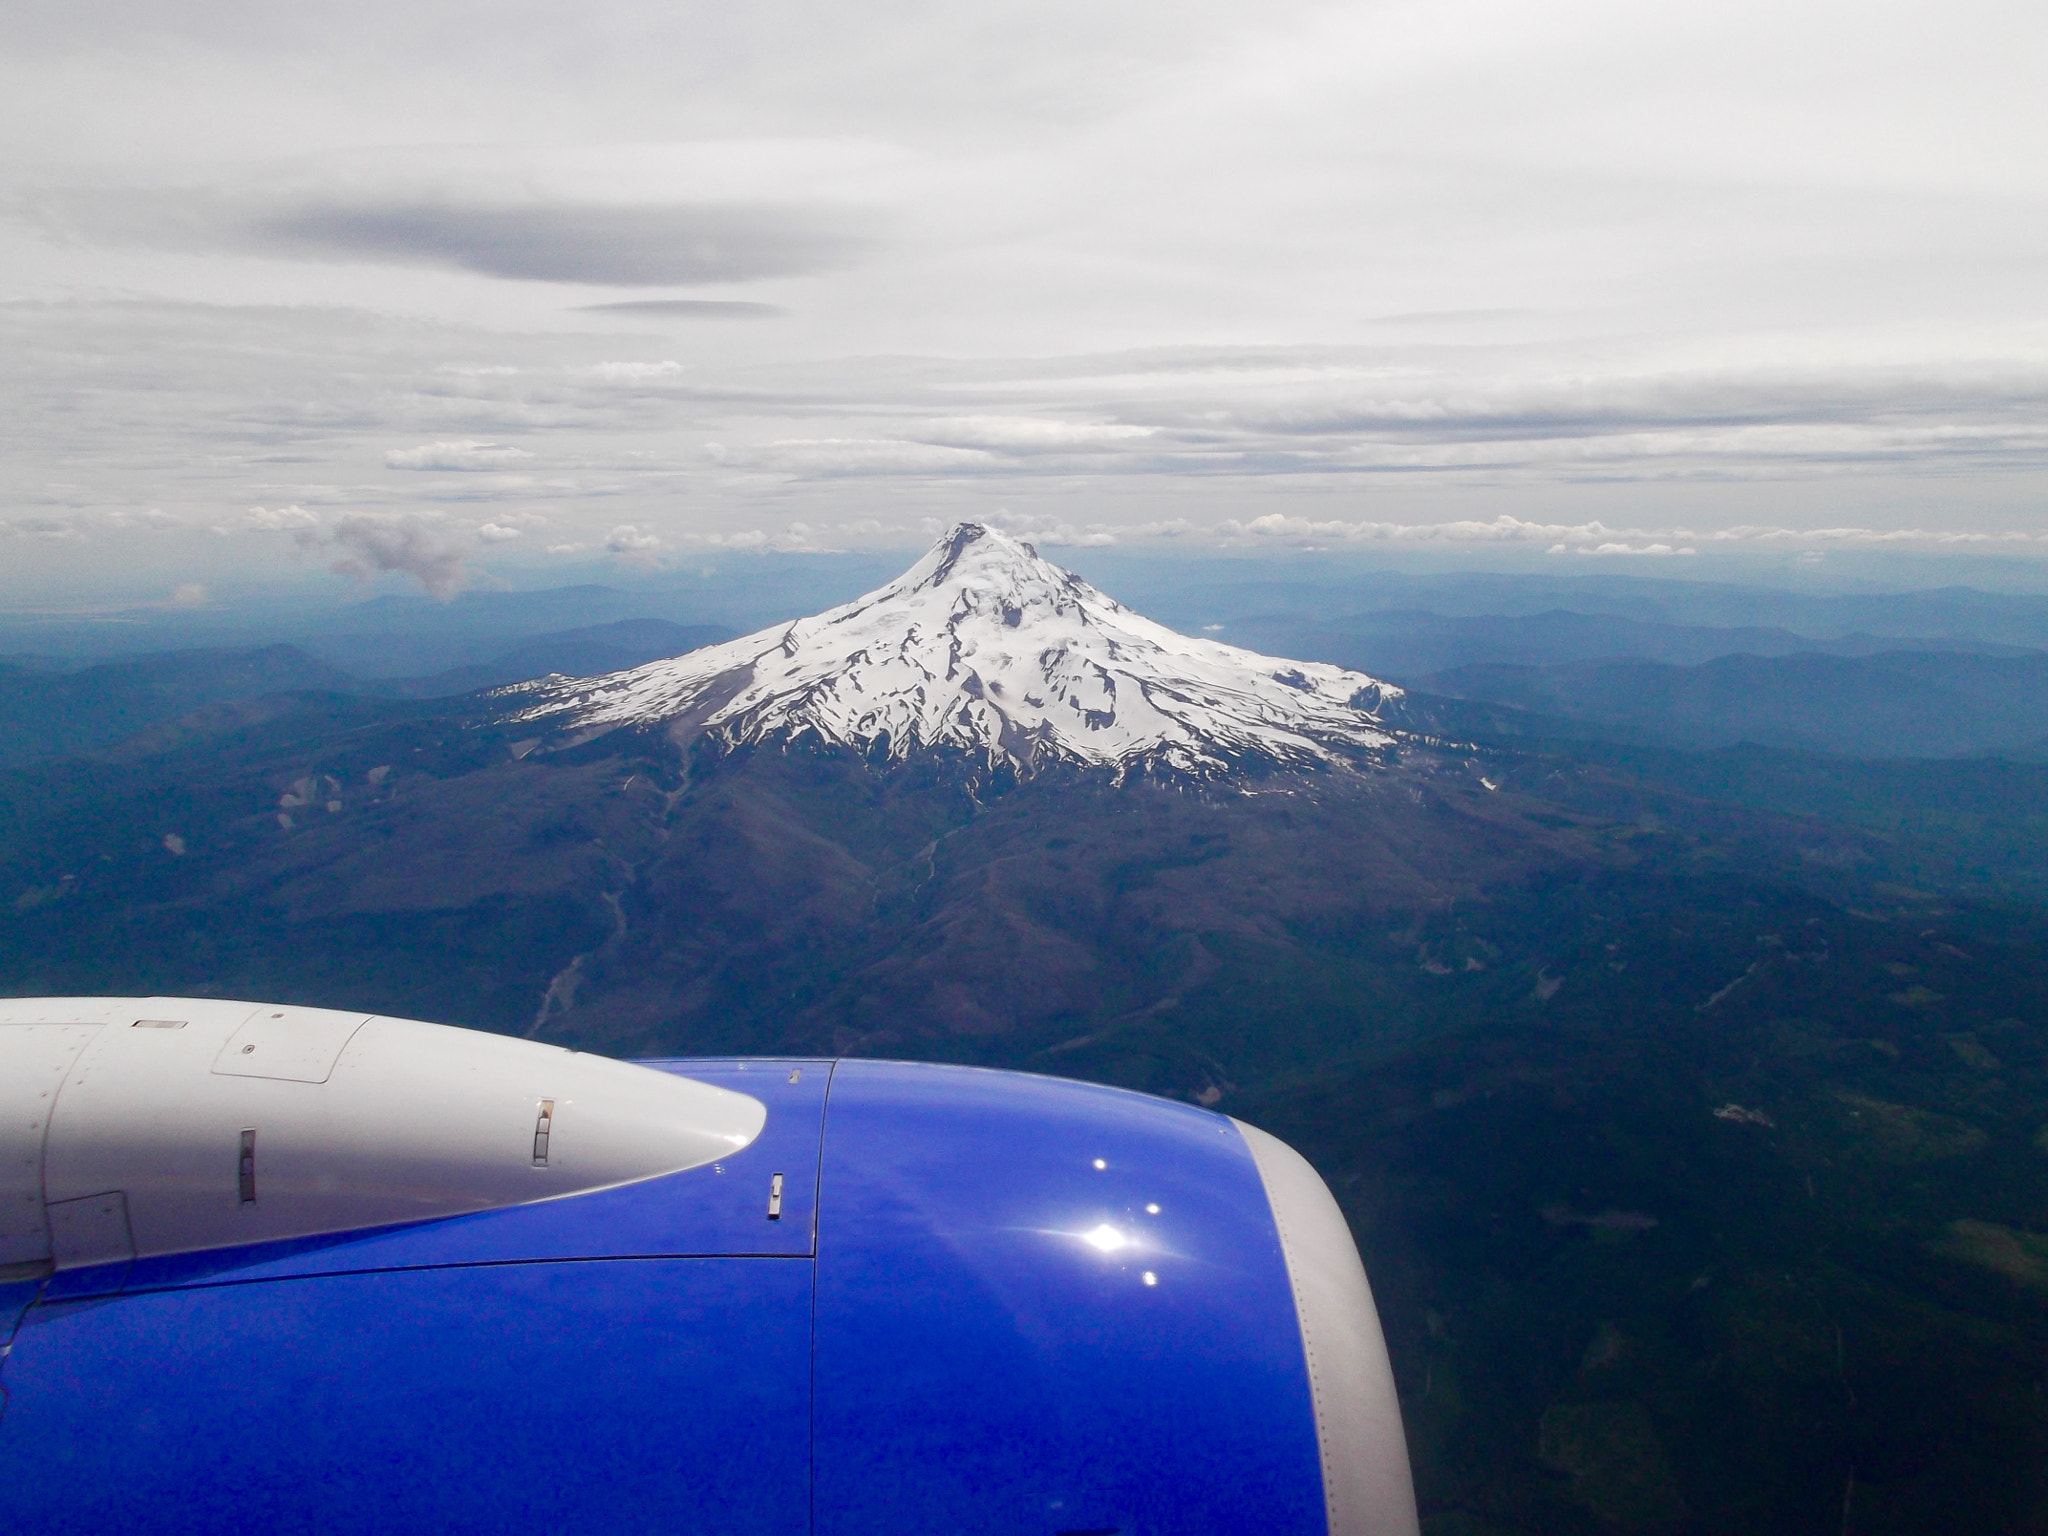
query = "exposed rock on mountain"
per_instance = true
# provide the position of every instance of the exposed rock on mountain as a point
(987, 648)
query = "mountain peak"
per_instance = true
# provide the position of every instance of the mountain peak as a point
(981, 565)
(986, 647)
(979, 549)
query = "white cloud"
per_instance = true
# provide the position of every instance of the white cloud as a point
(465, 454)
(1613, 547)
(497, 533)
(797, 539)
(1024, 434)
(1054, 531)
(628, 373)
(147, 517)
(633, 545)
(1589, 537)
(273, 519)
(850, 456)
(1162, 528)
(1281, 528)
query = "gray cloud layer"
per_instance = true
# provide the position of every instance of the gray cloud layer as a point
(550, 241)
(399, 448)
(688, 309)
(1590, 275)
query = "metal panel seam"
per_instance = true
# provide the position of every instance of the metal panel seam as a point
(811, 1355)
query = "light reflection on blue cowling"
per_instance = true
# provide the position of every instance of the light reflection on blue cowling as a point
(1014, 1336)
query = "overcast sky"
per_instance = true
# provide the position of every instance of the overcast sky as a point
(385, 286)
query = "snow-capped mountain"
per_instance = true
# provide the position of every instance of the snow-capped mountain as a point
(985, 647)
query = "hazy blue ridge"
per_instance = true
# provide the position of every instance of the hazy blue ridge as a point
(587, 652)
(1411, 646)
(1896, 704)
(57, 714)
(156, 700)
(1191, 593)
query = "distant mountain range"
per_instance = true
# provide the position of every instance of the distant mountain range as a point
(585, 652)
(1897, 704)
(48, 712)
(1303, 592)
(1411, 645)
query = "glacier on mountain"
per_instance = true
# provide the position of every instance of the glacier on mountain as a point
(984, 646)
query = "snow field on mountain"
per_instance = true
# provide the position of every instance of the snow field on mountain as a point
(986, 647)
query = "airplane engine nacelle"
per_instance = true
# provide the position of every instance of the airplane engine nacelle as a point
(270, 1268)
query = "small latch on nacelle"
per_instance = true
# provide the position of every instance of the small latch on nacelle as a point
(246, 1171)
(542, 1124)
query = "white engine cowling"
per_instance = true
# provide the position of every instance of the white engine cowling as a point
(131, 1128)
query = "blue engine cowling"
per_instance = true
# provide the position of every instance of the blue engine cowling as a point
(921, 1298)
